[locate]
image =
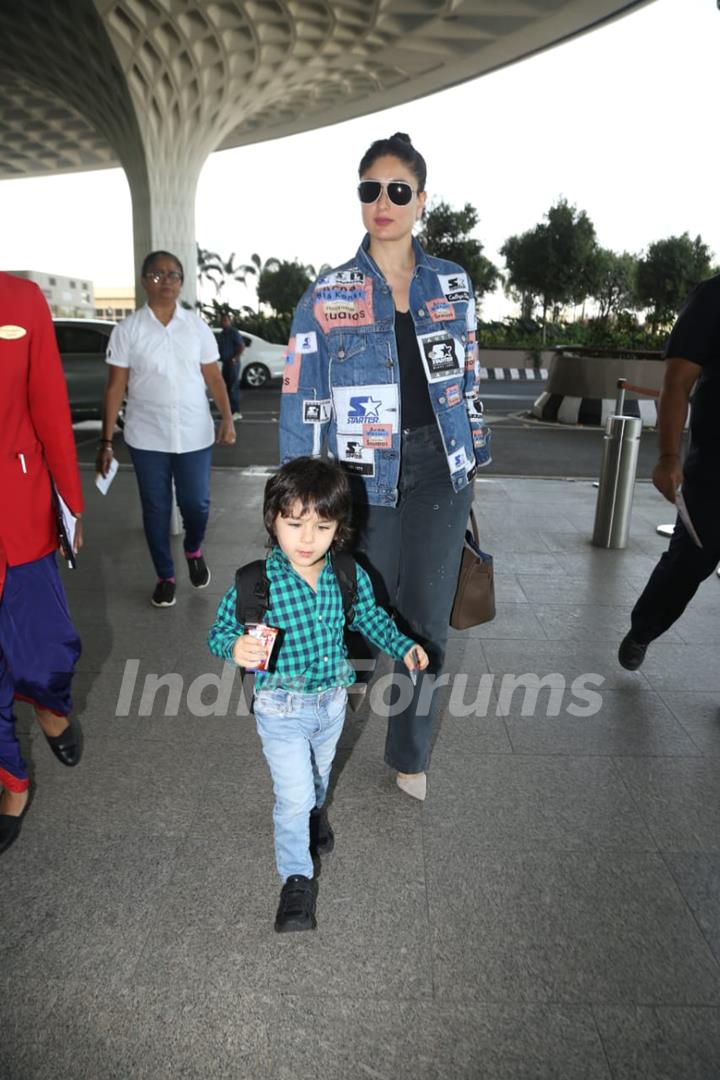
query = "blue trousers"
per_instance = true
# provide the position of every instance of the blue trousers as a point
(412, 552)
(155, 471)
(231, 377)
(299, 735)
(39, 648)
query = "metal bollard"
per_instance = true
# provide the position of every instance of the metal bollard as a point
(617, 477)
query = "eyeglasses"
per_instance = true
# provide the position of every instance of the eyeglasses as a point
(156, 276)
(397, 191)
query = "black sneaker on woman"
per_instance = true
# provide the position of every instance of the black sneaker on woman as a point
(199, 571)
(164, 595)
(296, 910)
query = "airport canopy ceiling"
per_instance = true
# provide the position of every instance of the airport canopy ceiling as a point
(89, 84)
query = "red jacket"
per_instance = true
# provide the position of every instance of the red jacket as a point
(36, 437)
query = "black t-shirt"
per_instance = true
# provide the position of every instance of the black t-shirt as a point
(696, 337)
(415, 406)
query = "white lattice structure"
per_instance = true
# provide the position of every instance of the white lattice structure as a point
(157, 85)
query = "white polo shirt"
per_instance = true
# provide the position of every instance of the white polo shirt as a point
(167, 406)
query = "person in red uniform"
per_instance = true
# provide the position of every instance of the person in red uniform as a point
(39, 645)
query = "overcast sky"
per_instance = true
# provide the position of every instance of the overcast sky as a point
(622, 122)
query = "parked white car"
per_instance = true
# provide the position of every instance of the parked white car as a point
(261, 360)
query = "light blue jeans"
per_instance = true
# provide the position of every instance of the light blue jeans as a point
(299, 734)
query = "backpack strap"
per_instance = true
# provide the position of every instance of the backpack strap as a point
(253, 592)
(345, 569)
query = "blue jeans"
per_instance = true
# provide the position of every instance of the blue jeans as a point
(155, 471)
(231, 377)
(412, 552)
(299, 734)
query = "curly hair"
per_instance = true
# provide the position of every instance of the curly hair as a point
(317, 485)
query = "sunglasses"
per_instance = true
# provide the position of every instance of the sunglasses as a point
(397, 191)
(156, 276)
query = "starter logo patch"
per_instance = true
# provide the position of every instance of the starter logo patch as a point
(355, 457)
(443, 356)
(316, 412)
(359, 405)
(455, 287)
(306, 343)
(458, 460)
(378, 436)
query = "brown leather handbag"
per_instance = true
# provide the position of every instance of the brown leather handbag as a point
(475, 594)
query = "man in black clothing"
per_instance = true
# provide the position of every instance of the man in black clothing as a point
(692, 356)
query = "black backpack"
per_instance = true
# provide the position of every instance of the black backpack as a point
(253, 588)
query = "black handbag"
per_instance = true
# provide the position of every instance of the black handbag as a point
(475, 593)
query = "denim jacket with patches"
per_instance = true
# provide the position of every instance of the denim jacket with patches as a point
(341, 378)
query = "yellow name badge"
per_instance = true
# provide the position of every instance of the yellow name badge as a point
(12, 333)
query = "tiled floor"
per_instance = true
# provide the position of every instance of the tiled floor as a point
(551, 911)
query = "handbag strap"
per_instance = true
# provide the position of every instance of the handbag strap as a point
(474, 527)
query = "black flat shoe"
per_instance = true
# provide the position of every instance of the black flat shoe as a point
(66, 746)
(10, 827)
(631, 653)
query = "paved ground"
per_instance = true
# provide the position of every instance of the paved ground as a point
(551, 911)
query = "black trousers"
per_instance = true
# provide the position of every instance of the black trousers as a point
(684, 566)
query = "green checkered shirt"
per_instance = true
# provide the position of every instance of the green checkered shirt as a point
(312, 655)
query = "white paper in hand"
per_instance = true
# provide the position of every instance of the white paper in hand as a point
(68, 519)
(102, 483)
(685, 517)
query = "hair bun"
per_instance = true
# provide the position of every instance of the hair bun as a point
(402, 136)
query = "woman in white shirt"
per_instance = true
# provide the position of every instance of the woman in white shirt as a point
(162, 358)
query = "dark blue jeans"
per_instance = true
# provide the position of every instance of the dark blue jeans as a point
(231, 376)
(412, 552)
(155, 471)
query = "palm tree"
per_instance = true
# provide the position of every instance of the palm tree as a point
(209, 267)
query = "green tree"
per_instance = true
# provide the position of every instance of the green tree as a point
(554, 263)
(282, 285)
(445, 234)
(613, 286)
(667, 273)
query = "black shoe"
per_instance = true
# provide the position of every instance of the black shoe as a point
(10, 827)
(199, 572)
(322, 837)
(297, 905)
(164, 595)
(631, 653)
(66, 746)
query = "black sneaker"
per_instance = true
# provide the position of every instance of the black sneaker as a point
(322, 837)
(164, 595)
(297, 905)
(631, 653)
(199, 572)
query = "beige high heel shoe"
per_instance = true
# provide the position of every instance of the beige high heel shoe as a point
(414, 784)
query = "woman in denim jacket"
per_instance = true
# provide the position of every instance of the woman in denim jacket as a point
(382, 372)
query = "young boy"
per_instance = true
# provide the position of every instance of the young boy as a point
(300, 702)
